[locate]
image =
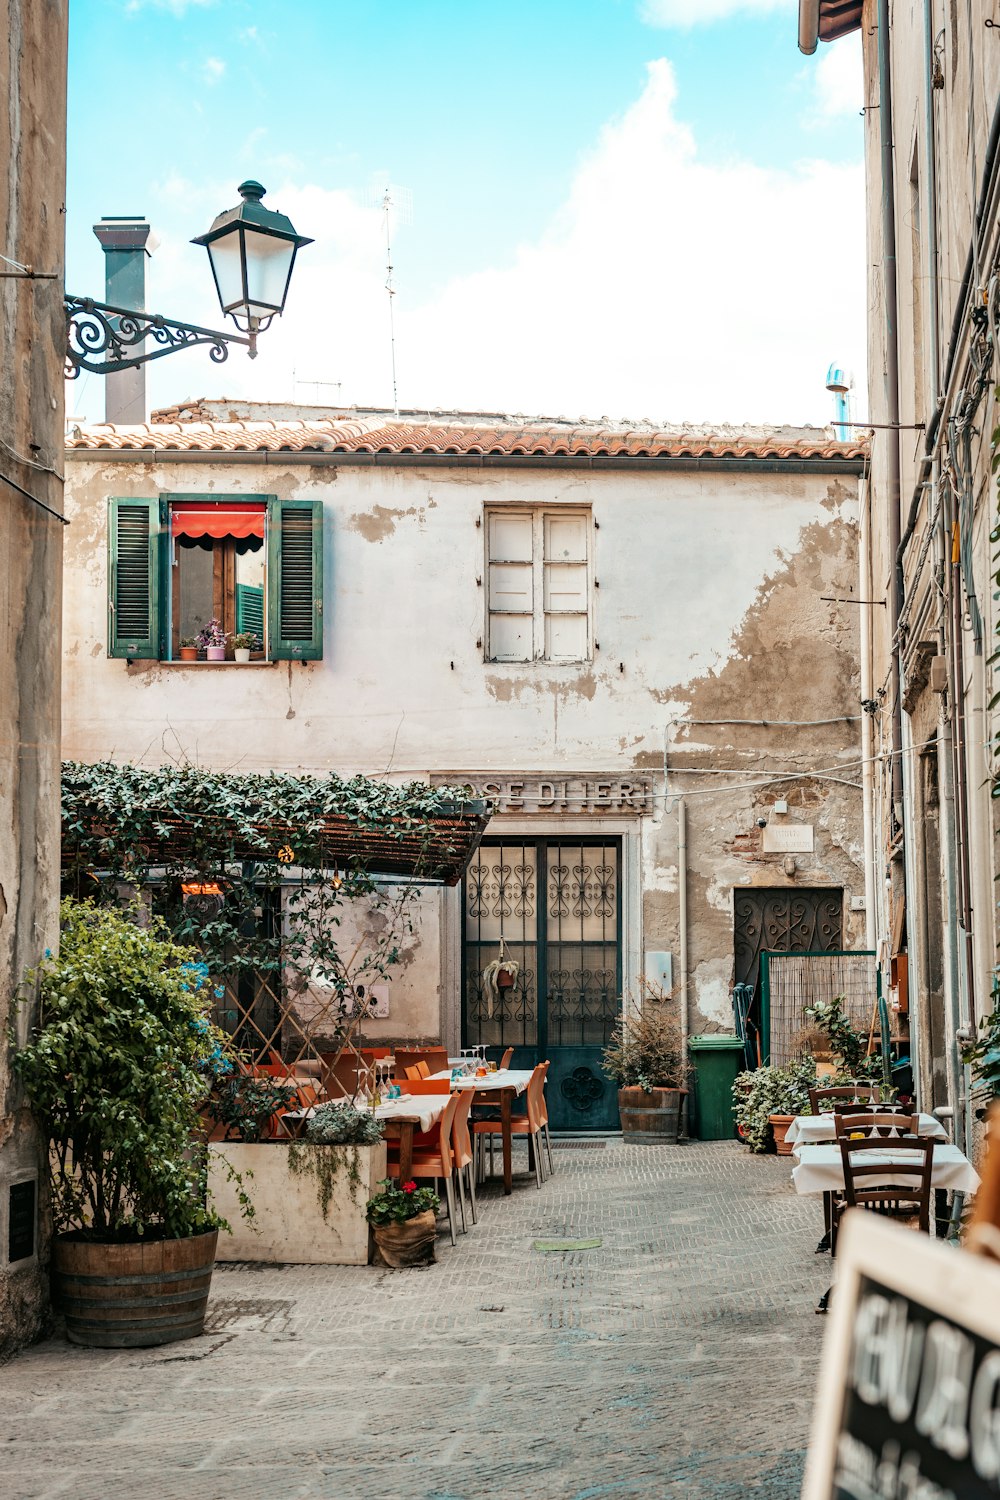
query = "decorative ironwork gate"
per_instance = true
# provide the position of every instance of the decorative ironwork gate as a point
(781, 921)
(557, 906)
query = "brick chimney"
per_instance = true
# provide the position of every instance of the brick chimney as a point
(123, 239)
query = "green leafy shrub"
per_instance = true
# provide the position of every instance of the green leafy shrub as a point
(339, 1124)
(115, 1071)
(983, 1054)
(771, 1091)
(395, 1204)
(244, 1103)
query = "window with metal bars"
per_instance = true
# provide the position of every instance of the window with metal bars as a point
(255, 565)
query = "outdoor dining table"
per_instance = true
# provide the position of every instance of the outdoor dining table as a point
(507, 1083)
(808, 1130)
(820, 1168)
(399, 1118)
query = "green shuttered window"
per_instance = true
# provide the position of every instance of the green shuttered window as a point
(139, 588)
(134, 567)
(295, 579)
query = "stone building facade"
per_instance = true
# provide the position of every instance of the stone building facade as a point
(32, 341)
(929, 509)
(633, 641)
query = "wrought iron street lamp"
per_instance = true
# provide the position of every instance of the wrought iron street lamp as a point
(251, 250)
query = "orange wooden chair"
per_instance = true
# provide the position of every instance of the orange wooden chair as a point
(529, 1124)
(435, 1159)
(426, 1086)
(505, 1060)
(419, 1070)
(436, 1059)
(463, 1156)
(543, 1112)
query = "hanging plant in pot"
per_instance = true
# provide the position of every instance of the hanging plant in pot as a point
(645, 1058)
(115, 1072)
(499, 975)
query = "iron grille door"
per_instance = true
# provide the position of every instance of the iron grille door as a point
(781, 921)
(557, 906)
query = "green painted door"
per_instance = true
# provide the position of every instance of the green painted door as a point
(557, 905)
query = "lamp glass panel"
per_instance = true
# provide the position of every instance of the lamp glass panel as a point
(269, 265)
(227, 264)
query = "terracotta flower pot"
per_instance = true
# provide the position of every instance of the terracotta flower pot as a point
(505, 979)
(410, 1243)
(189, 653)
(780, 1125)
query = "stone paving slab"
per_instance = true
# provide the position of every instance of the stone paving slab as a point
(677, 1359)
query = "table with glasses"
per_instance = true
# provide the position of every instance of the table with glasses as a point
(809, 1130)
(399, 1119)
(501, 1086)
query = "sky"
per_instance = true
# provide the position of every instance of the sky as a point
(639, 209)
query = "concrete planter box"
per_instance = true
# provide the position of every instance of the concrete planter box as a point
(290, 1224)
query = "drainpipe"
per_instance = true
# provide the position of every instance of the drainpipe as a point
(930, 182)
(891, 390)
(123, 241)
(682, 916)
(867, 738)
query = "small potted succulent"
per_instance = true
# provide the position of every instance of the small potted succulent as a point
(243, 642)
(189, 648)
(403, 1220)
(212, 638)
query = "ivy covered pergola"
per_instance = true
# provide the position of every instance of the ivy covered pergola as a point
(265, 873)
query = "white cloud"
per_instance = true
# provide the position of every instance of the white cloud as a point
(698, 12)
(663, 287)
(840, 79)
(212, 69)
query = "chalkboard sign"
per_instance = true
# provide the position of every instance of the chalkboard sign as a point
(909, 1394)
(21, 1220)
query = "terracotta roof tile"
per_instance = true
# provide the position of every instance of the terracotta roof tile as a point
(375, 435)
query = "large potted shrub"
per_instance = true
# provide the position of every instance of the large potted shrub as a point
(645, 1058)
(768, 1099)
(115, 1071)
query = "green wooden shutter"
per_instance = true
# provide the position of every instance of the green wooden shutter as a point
(134, 579)
(295, 579)
(250, 609)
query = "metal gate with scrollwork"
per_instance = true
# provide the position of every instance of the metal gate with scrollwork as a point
(557, 906)
(781, 921)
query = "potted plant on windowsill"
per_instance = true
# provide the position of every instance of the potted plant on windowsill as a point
(189, 648)
(243, 642)
(212, 639)
(115, 1072)
(645, 1058)
(404, 1223)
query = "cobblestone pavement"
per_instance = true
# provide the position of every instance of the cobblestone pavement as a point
(678, 1359)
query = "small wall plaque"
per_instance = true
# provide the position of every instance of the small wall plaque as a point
(788, 838)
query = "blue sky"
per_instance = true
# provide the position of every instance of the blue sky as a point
(605, 194)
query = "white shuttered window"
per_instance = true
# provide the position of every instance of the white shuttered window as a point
(539, 585)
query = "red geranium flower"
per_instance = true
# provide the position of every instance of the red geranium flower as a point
(409, 1187)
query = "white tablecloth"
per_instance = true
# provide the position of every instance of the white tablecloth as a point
(508, 1078)
(808, 1129)
(821, 1170)
(427, 1108)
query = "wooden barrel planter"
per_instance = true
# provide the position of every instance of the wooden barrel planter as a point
(652, 1117)
(130, 1296)
(410, 1243)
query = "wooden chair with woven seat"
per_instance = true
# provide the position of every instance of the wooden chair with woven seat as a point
(529, 1124)
(879, 1125)
(864, 1179)
(434, 1159)
(463, 1155)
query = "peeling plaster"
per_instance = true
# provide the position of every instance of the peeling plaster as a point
(380, 522)
(711, 986)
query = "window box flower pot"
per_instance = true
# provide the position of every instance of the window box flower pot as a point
(133, 1295)
(189, 653)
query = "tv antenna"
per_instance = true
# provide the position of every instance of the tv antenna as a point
(396, 205)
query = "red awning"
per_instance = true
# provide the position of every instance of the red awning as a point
(196, 518)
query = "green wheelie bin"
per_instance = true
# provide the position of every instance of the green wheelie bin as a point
(717, 1060)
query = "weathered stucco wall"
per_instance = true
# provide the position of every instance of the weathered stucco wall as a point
(707, 605)
(32, 340)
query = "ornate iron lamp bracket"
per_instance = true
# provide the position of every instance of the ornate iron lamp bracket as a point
(100, 338)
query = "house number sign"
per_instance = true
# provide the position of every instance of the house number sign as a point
(588, 793)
